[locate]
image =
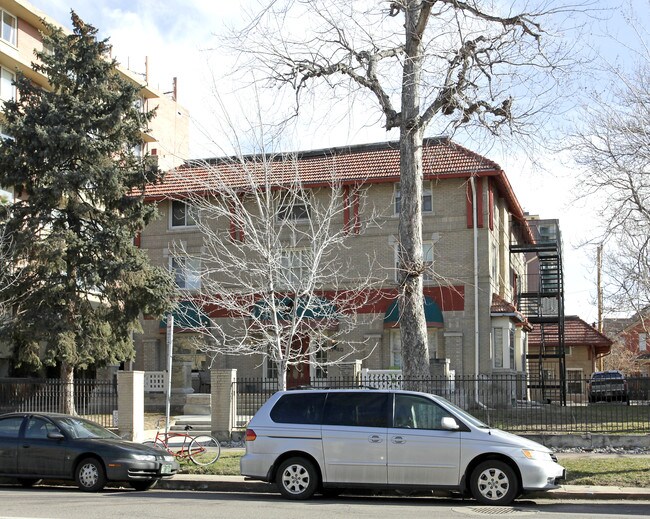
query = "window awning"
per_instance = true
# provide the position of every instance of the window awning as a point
(187, 315)
(308, 308)
(432, 314)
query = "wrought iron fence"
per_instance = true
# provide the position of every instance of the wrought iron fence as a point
(515, 403)
(93, 399)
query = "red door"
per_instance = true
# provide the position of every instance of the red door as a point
(298, 374)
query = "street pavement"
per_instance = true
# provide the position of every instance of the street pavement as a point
(240, 484)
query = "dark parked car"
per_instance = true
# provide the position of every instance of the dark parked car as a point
(35, 446)
(608, 386)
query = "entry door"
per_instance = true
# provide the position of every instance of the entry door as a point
(420, 452)
(298, 375)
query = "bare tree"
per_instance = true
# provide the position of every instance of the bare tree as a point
(437, 64)
(275, 280)
(623, 359)
(614, 147)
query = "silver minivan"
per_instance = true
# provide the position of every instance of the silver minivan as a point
(311, 441)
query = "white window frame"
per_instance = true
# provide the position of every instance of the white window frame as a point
(189, 215)
(428, 258)
(295, 262)
(12, 87)
(319, 354)
(643, 341)
(297, 209)
(190, 274)
(427, 198)
(13, 35)
(504, 346)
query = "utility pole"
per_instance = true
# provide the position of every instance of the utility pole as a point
(599, 268)
(599, 292)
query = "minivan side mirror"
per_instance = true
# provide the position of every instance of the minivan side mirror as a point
(449, 424)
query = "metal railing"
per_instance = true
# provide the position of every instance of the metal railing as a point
(93, 399)
(510, 402)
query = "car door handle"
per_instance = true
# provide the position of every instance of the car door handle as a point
(398, 439)
(375, 438)
(25, 446)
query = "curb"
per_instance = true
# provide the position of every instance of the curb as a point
(239, 484)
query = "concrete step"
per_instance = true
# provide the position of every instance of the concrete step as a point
(198, 404)
(199, 423)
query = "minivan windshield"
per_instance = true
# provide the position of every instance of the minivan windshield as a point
(462, 414)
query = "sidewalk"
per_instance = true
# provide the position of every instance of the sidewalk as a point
(238, 484)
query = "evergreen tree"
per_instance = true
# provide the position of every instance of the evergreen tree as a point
(71, 160)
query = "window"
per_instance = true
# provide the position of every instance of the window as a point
(427, 198)
(643, 342)
(427, 260)
(320, 361)
(511, 347)
(37, 428)
(187, 272)
(9, 24)
(295, 209)
(10, 427)
(497, 340)
(271, 368)
(574, 381)
(295, 265)
(7, 88)
(356, 409)
(182, 214)
(299, 408)
(415, 412)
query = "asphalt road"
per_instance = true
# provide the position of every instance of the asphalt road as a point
(69, 503)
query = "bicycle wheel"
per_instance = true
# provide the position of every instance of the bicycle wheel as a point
(204, 450)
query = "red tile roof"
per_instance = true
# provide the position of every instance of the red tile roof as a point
(367, 163)
(501, 306)
(576, 333)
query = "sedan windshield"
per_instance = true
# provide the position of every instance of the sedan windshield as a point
(79, 428)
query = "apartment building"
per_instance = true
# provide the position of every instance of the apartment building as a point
(21, 36)
(21, 29)
(471, 218)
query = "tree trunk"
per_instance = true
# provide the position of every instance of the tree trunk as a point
(415, 351)
(67, 389)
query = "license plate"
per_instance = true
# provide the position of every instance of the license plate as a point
(166, 468)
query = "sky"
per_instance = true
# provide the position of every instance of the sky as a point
(178, 38)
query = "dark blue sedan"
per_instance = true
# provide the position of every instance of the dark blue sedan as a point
(35, 446)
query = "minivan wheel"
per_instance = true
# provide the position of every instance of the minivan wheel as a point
(493, 482)
(297, 478)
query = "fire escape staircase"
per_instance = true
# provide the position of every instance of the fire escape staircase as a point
(543, 306)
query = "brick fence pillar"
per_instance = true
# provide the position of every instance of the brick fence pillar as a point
(224, 402)
(130, 405)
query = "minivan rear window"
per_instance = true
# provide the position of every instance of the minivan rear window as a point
(357, 409)
(305, 408)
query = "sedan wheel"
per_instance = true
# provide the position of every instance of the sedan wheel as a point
(297, 478)
(90, 475)
(494, 483)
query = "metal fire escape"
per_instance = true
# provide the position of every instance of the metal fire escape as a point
(543, 305)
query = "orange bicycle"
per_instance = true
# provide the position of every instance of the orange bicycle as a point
(201, 449)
